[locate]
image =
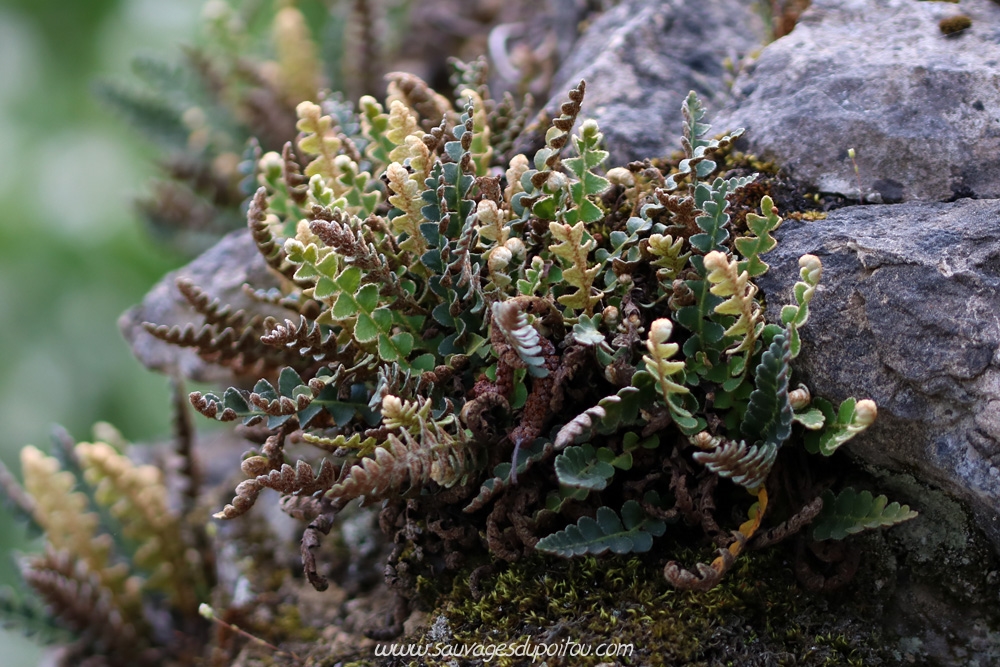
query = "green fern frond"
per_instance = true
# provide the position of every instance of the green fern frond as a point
(768, 419)
(751, 247)
(584, 467)
(794, 317)
(850, 512)
(838, 427)
(728, 281)
(658, 365)
(588, 184)
(319, 138)
(633, 532)
(572, 250)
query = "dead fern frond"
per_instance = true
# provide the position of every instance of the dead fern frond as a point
(414, 92)
(77, 597)
(300, 480)
(269, 248)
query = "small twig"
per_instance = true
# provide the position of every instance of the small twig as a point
(208, 612)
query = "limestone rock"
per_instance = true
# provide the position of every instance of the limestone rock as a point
(642, 57)
(221, 272)
(921, 109)
(907, 314)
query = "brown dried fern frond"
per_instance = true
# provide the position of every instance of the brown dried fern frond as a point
(269, 248)
(411, 90)
(213, 310)
(300, 480)
(305, 337)
(707, 575)
(77, 597)
(407, 463)
(291, 172)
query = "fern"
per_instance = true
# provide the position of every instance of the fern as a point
(794, 317)
(522, 337)
(588, 184)
(838, 427)
(768, 418)
(746, 466)
(850, 512)
(728, 281)
(584, 468)
(761, 242)
(633, 532)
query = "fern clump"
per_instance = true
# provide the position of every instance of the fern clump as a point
(122, 571)
(526, 354)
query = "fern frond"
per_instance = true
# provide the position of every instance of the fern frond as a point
(746, 466)
(610, 414)
(300, 480)
(768, 418)
(16, 499)
(697, 149)
(588, 185)
(405, 464)
(319, 138)
(838, 427)
(850, 512)
(670, 261)
(583, 467)
(77, 597)
(728, 281)
(242, 352)
(306, 337)
(398, 415)
(61, 511)
(512, 322)
(557, 136)
(572, 250)
(215, 313)
(475, 122)
(632, 533)
(415, 94)
(794, 317)
(408, 200)
(296, 184)
(402, 125)
(751, 247)
(297, 55)
(137, 498)
(661, 368)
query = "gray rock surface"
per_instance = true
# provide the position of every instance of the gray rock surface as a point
(922, 110)
(221, 272)
(641, 58)
(908, 314)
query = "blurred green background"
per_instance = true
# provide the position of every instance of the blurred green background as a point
(73, 255)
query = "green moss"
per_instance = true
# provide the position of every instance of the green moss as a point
(758, 615)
